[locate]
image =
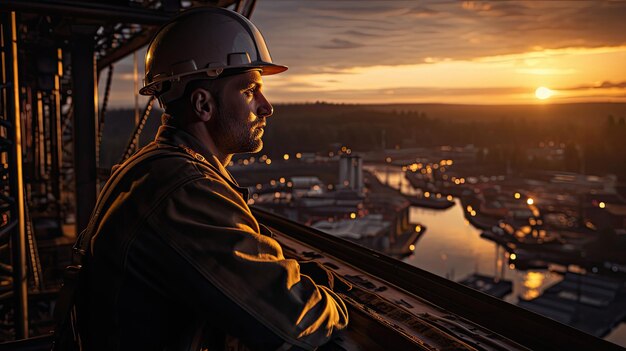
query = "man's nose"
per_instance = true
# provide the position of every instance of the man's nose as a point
(264, 108)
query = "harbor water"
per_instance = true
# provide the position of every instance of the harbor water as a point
(452, 247)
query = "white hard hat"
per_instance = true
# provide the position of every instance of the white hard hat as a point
(201, 44)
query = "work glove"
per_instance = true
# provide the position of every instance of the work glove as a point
(322, 275)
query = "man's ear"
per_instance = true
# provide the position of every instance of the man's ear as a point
(202, 104)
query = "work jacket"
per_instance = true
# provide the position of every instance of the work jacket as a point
(178, 262)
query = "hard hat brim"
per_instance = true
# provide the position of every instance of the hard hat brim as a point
(270, 68)
(266, 68)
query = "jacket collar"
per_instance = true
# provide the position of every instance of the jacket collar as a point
(178, 137)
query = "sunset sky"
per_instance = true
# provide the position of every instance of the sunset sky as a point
(476, 52)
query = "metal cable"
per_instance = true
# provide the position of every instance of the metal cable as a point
(105, 102)
(33, 251)
(134, 139)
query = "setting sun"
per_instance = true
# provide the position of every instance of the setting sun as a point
(543, 93)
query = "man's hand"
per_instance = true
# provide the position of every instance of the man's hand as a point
(324, 276)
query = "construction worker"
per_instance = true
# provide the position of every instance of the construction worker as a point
(175, 260)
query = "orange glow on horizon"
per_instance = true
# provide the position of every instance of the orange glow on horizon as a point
(504, 79)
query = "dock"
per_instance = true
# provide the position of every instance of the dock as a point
(489, 285)
(591, 303)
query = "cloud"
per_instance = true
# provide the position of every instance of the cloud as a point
(331, 37)
(361, 34)
(422, 12)
(398, 32)
(547, 71)
(603, 85)
(496, 9)
(340, 44)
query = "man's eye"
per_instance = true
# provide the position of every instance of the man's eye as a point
(249, 92)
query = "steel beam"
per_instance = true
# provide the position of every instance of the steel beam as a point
(529, 329)
(134, 44)
(90, 10)
(56, 148)
(16, 182)
(85, 100)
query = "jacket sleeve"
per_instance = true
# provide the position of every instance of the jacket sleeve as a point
(210, 226)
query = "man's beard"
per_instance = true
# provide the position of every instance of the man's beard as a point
(233, 135)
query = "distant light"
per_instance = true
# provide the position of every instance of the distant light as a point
(388, 159)
(246, 162)
(517, 195)
(285, 157)
(282, 180)
(530, 201)
(418, 228)
(289, 184)
(411, 247)
(511, 266)
(259, 186)
(469, 208)
(602, 205)
(277, 195)
(427, 194)
(343, 149)
(331, 154)
(513, 256)
(353, 215)
(268, 161)
(449, 197)
(473, 213)
(298, 155)
(272, 182)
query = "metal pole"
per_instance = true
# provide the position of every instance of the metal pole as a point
(56, 148)
(136, 87)
(85, 98)
(18, 239)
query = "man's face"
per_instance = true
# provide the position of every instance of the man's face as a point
(241, 114)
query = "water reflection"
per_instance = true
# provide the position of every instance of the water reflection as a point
(453, 248)
(532, 281)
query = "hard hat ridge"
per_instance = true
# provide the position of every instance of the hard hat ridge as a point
(203, 44)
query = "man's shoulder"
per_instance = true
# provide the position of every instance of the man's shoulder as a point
(165, 162)
(161, 168)
(176, 161)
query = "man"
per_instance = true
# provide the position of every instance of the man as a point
(175, 259)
